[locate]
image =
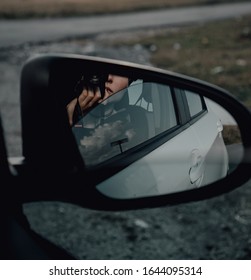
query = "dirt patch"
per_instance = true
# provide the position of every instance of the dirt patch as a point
(231, 134)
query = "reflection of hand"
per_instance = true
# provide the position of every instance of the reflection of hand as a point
(86, 99)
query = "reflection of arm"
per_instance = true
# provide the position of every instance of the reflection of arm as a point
(70, 110)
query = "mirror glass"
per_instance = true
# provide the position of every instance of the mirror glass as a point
(148, 139)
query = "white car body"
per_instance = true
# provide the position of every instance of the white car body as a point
(193, 154)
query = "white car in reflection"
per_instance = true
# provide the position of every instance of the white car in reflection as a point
(152, 139)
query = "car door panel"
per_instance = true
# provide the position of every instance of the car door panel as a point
(164, 170)
(146, 112)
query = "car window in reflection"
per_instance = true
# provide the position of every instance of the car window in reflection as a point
(124, 120)
(194, 103)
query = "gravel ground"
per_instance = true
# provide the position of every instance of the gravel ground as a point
(218, 228)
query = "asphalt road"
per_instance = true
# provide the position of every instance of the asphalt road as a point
(218, 228)
(16, 32)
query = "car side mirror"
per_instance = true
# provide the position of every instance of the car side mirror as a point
(157, 138)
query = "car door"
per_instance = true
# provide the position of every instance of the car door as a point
(211, 157)
(149, 138)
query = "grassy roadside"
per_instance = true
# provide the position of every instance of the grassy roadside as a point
(54, 8)
(218, 52)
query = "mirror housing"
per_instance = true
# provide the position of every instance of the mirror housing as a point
(50, 150)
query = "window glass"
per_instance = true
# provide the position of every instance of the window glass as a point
(194, 103)
(125, 120)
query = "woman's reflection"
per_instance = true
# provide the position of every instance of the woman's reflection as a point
(94, 91)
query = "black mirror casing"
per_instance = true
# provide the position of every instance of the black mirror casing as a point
(52, 158)
(44, 122)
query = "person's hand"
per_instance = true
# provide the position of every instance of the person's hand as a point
(87, 98)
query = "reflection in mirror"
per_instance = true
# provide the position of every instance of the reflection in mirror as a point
(91, 89)
(163, 139)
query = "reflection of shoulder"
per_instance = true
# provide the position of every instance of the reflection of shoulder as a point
(116, 115)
